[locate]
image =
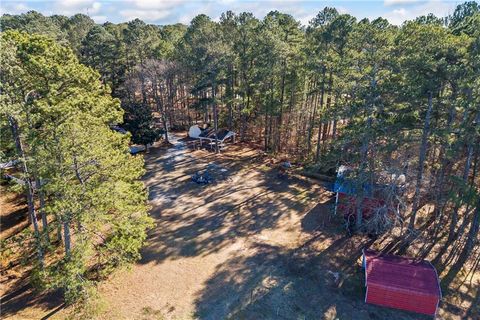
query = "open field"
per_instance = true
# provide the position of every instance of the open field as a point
(249, 246)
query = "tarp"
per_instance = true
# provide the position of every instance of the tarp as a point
(119, 129)
(222, 134)
(137, 148)
(207, 133)
(346, 185)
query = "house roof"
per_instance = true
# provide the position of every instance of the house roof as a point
(401, 273)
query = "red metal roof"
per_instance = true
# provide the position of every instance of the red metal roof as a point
(401, 273)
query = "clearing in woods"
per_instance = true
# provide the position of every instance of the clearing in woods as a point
(248, 246)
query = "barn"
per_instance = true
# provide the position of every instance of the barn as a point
(401, 283)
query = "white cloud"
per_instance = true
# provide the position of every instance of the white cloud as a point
(146, 15)
(156, 4)
(400, 12)
(71, 7)
(306, 19)
(152, 10)
(173, 11)
(14, 8)
(438, 8)
(342, 10)
(186, 18)
(388, 3)
(96, 6)
(21, 7)
(99, 19)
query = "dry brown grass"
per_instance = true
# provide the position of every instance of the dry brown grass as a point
(250, 246)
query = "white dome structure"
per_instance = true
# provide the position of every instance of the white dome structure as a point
(194, 132)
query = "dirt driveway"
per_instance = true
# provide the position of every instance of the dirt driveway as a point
(249, 246)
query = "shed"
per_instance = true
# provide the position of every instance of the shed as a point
(401, 283)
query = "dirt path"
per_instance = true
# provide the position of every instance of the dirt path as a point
(249, 246)
(202, 230)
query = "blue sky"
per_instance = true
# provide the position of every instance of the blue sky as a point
(172, 11)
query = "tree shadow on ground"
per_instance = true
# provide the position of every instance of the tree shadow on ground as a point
(275, 283)
(14, 219)
(196, 220)
(220, 219)
(272, 282)
(23, 295)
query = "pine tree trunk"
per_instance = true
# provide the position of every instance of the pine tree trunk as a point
(363, 166)
(326, 129)
(41, 196)
(266, 131)
(421, 162)
(334, 124)
(268, 117)
(243, 119)
(66, 237)
(322, 94)
(475, 166)
(440, 185)
(231, 96)
(160, 107)
(29, 188)
(215, 117)
(280, 117)
(59, 229)
(313, 102)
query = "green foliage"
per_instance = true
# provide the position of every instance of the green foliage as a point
(138, 120)
(34, 22)
(92, 182)
(382, 99)
(463, 16)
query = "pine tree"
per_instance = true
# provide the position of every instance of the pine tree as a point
(90, 180)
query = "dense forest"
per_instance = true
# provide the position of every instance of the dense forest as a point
(384, 100)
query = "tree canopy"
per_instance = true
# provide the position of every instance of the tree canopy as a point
(384, 100)
(79, 169)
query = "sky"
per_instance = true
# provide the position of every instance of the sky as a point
(172, 11)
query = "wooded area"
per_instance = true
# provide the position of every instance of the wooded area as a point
(384, 100)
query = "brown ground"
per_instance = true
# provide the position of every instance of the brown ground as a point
(250, 246)
(13, 213)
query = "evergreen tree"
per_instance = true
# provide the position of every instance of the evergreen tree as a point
(139, 121)
(60, 115)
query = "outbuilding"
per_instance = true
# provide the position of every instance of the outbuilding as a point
(401, 283)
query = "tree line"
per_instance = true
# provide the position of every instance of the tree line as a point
(402, 100)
